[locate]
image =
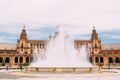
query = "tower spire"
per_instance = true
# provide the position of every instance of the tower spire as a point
(24, 27)
(94, 34)
(23, 33)
(93, 27)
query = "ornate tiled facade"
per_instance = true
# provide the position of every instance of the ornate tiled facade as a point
(22, 52)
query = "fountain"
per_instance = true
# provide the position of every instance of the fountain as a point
(61, 56)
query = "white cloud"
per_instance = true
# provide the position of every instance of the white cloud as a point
(112, 36)
(83, 13)
(76, 16)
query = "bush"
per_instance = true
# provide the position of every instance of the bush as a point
(26, 64)
(100, 65)
(3, 64)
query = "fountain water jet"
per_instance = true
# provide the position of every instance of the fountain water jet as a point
(61, 56)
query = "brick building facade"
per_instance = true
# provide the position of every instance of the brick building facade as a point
(22, 52)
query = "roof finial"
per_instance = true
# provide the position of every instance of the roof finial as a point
(24, 27)
(93, 27)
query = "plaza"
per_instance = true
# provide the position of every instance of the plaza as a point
(23, 75)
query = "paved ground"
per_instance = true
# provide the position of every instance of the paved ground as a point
(22, 75)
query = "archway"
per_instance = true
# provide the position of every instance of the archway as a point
(117, 60)
(7, 60)
(27, 59)
(110, 59)
(16, 59)
(96, 59)
(101, 59)
(21, 59)
(1, 59)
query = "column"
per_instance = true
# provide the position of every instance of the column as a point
(93, 61)
(105, 61)
(114, 62)
(11, 61)
(24, 60)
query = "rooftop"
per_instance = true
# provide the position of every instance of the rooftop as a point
(7, 46)
(110, 46)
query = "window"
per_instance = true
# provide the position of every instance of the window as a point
(8, 52)
(22, 45)
(40, 45)
(37, 45)
(25, 52)
(95, 45)
(27, 59)
(31, 45)
(7, 60)
(92, 52)
(21, 59)
(16, 59)
(96, 59)
(110, 59)
(101, 59)
(117, 60)
(1, 52)
(1, 59)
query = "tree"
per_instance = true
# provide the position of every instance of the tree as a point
(26, 64)
(100, 65)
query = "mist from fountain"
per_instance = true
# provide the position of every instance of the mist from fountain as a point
(60, 52)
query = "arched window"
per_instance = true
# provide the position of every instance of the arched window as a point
(25, 52)
(40, 45)
(16, 59)
(95, 45)
(117, 59)
(31, 44)
(37, 44)
(96, 59)
(101, 59)
(110, 60)
(27, 59)
(1, 59)
(21, 59)
(22, 45)
(7, 60)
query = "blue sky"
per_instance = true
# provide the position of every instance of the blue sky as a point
(42, 33)
(77, 17)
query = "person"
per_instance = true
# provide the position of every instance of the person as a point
(7, 68)
(20, 67)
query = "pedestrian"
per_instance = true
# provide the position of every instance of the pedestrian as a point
(20, 67)
(7, 67)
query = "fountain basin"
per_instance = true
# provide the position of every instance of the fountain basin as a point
(63, 69)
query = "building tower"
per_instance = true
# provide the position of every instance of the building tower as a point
(23, 48)
(96, 47)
